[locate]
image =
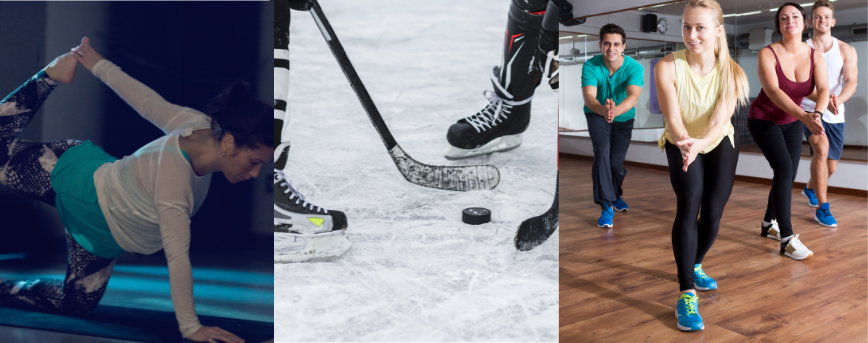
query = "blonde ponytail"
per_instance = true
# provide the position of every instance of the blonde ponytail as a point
(734, 87)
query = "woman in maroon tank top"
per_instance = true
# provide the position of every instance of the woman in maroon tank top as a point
(788, 70)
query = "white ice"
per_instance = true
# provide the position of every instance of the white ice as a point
(415, 271)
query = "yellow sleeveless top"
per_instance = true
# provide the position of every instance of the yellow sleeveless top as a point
(697, 97)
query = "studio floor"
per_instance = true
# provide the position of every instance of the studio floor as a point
(236, 283)
(620, 284)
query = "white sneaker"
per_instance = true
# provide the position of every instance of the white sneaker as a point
(772, 231)
(796, 250)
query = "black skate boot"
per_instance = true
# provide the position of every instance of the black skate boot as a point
(304, 232)
(293, 214)
(498, 126)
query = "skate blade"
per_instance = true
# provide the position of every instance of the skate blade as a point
(499, 144)
(317, 248)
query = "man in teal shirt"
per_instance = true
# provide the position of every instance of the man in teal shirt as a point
(611, 84)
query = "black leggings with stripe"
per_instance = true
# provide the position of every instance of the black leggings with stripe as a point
(25, 167)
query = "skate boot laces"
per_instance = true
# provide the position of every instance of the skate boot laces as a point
(498, 107)
(294, 194)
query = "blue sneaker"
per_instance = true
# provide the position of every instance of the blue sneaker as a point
(687, 313)
(606, 218)
(812, 198)
(620, 205)
(824, 216)
(701, 281)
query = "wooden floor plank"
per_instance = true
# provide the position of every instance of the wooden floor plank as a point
(620, 284)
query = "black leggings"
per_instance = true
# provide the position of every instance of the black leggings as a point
(782, 147)
(704, 190)
(25, 167)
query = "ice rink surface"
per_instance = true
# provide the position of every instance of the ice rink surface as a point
(415, 271)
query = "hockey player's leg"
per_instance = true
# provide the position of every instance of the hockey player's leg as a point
(322, 232)
(281, 67)
(548, 44)
(498, 126)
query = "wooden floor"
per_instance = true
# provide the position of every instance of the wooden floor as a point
(620, 284)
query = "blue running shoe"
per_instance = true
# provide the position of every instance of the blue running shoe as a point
(620, 205)
(812, 198)
(606, 218)
(824, 216)
(687, 313)
(701, 281)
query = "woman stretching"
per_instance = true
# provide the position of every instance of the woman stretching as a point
(141, 203)
(699, 88)
(788, 71)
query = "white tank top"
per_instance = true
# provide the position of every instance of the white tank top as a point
(835, 72)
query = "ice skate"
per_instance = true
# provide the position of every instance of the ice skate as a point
(498, 126)
(304, 232)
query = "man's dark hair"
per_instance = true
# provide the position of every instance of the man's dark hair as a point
(612, 28)
(778, 16)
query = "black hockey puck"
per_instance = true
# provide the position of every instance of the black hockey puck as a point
(476, 215)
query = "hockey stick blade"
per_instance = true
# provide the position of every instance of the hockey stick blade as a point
(535, 231)
(453, 178)
(458, 178)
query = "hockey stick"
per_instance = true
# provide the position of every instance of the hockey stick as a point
(454, 178)
(535, 231)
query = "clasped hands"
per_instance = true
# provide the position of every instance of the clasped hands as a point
(689, 150)
(815, 125)
(610, 111)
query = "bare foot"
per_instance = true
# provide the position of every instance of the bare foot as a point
(62, 69)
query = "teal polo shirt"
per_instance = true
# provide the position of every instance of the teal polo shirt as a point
(595, 73)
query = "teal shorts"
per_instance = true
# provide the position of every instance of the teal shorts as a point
(77, 203)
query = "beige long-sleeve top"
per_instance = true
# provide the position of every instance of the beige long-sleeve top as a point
(148, 197)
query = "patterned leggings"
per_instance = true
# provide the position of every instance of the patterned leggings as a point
(25, 167)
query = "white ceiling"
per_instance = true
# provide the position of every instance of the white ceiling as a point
(593, 8)
(588, 8)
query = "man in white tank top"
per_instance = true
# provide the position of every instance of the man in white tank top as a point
(841, 70)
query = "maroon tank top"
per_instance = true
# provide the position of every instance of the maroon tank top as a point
(763, 108)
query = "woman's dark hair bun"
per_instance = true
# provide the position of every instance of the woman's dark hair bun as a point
(236, 111)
